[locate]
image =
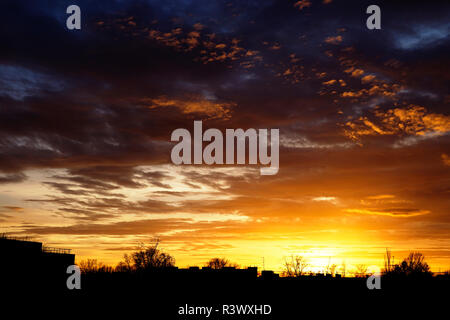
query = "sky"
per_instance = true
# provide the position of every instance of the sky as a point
(86, 118)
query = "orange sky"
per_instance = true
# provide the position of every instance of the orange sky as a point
(236, 213)
(363, 116)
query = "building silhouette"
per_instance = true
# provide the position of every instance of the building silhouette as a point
(26, 264)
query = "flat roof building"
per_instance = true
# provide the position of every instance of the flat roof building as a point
(29, 263)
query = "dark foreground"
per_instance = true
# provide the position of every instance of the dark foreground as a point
(157, 295)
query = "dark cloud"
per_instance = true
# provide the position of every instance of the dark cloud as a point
(119, 228)
(81, 99)
(12, 178)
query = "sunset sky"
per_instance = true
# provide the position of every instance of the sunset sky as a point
(86, 118)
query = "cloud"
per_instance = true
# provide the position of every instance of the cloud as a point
(330, 82)
(445, 159)
(422, 36)
(332, 200)
(136, 227)
(296, 141)
(12, 178)
(19, 83)
(357, 73)
(333, 40)
(12, 208)
(302, 4)
(394, 212)
(413, 120)
(119, 228)
(381, 197)
(368, 78)
(195, 105)
(417, 121)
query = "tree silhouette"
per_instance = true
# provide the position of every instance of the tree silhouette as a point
(361, 270)
(343, 268)
(145, 258)
(414, 264)
(388, 261)
(295, 266)
(94, 266)
(220, 263)
(333, 269)
(123, 267)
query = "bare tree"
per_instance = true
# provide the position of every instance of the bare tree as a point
(93, 266)
(220, 263)
(361, 270)
(414, 264)
(123, 267)
(88, 266)
(126, 265)
(333, 268)
(148, 257)
(295, 266)
(387, 261)
(343, 268)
